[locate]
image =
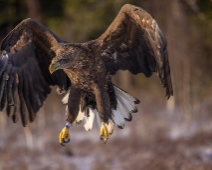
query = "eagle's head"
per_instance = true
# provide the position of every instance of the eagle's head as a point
(64, 57)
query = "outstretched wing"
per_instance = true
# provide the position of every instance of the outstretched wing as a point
(24, 75)
(134, 42)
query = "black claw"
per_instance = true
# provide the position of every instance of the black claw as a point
(62, 144)
(120, 127)
(64, 141)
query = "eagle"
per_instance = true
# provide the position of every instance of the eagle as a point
(34, 59)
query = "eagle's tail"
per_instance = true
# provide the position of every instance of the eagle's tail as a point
(125, 106)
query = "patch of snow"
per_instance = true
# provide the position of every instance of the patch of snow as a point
(81, 163)
(182, 131)
(206, 154)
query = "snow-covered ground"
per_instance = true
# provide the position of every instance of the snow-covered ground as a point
(154, 140)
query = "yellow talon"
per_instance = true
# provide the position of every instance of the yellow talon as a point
(104, 132)
(64, 136)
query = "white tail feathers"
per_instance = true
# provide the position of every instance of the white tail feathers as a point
(65, 98)
(89, 119)
(97, 117)
(80, 116)
(118, 119)
(125, 106)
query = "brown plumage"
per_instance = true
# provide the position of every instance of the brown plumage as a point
(132, 42)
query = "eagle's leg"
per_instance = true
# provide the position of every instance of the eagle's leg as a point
(73, 109)
(103, 107)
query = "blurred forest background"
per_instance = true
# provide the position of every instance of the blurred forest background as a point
(173, 134)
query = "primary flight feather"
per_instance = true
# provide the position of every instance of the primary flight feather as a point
(34, 59)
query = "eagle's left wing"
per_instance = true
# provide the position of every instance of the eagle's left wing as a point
(25, 79)
(134, 42)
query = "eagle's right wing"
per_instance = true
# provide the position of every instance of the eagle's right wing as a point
(134, 42)
(24, 75)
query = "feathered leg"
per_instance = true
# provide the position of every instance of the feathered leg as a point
(103, 107)
(73, 109)
(73, 104)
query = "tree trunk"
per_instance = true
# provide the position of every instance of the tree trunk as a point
(178, 31)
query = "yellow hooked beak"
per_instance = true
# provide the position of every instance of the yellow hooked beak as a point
(53, 67)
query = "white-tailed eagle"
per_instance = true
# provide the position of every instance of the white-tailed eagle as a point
(34, 58)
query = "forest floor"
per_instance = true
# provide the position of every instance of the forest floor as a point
(156, 139)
